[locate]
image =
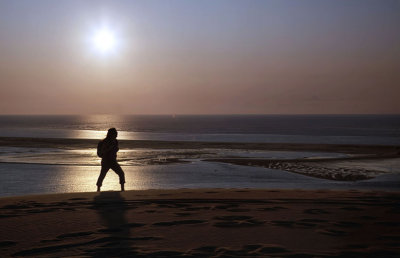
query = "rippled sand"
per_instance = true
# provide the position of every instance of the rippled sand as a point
(206, 223)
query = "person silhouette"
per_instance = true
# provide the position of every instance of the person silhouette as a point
(107, 149)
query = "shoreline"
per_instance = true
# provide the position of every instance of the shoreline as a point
(202, 222)
(331, 168)
(154, 144)
(316, 167)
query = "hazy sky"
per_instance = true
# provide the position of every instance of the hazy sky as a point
(200, 57)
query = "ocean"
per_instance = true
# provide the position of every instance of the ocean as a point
(330, 129)
(33, 170)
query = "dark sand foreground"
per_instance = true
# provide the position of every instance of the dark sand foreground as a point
(202, 223)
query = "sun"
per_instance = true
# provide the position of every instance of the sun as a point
(104, 40)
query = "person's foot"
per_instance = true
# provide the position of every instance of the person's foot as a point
(98, 189)
(122, 188)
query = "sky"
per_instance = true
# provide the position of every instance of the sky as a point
(200, 57)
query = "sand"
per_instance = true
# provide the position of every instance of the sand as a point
(339, 169)
(202, 223)
(212, 222)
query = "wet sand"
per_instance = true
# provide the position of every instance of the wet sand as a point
(202, 223)
(332, 168)
(339, 169)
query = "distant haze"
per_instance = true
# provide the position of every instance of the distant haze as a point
(201, 57)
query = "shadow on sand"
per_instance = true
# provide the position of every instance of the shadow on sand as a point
(112, 208)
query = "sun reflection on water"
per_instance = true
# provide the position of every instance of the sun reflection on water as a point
(84, 178)
(93, 134)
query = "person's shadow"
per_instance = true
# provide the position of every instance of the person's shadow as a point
(112, 208)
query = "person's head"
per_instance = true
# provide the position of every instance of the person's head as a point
(112, 133)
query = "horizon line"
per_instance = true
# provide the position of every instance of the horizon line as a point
(204, 114)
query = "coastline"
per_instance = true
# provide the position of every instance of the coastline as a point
(340, 163)
(337, 169)
(202, 222)
(154, 144)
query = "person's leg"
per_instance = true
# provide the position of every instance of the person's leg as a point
(117, 169)
(103, 173)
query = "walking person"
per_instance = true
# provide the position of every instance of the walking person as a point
(107, 149)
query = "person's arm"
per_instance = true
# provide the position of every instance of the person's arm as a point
(116, 146)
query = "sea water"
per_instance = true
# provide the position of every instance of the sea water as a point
(333, 129)
(46, 170)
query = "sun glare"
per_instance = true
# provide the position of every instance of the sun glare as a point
(104, 40)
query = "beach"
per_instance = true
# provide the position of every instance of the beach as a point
(200, 129)
(202, 223)
(71, 165)
(199, 199)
